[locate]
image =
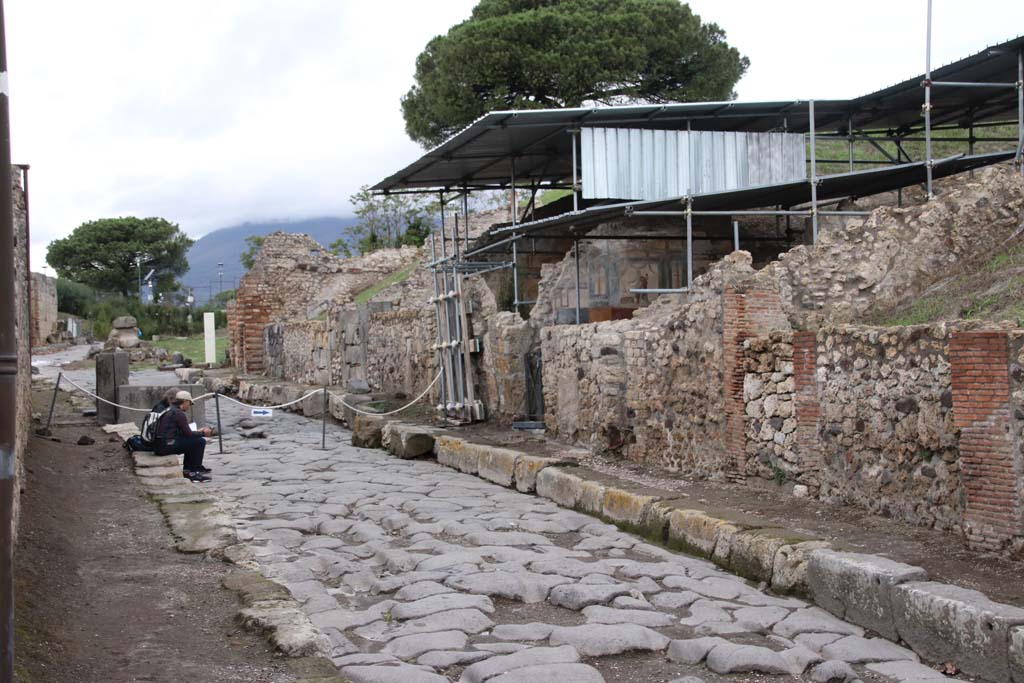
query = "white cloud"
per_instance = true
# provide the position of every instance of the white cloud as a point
(210, 113)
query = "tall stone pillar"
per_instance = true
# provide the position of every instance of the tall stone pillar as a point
(111, 372)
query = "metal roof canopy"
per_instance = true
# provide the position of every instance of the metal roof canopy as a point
(535, 148)
(854, 184)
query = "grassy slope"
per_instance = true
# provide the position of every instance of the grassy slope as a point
(993, 290)
(392, 279)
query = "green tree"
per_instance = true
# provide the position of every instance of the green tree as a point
(108, 254)
(253, 245)
(531, 54)
(385, 221)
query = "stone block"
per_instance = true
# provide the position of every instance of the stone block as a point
(560, 486)
(1017, 654)
(148, 396)
(497, 464)
(789, 575)
(111, 372)
(947, 623)
(409, 441)
(457, 454)
(368, 431)
(626, 507)
(189, 375)
(859, 587)
(695, 531)
(752, 554)
(527, 469)
(591, 498)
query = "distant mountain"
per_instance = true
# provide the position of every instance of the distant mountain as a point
(225, 246)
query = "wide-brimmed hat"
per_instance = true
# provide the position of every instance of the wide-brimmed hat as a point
(183, 396)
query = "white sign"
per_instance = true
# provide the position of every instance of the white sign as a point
(210, 338)
(262, 412)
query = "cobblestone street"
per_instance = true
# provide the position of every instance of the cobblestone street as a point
(417, 573)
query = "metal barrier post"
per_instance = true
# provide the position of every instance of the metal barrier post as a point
(220, 432)
(323, 428)
(53, 401)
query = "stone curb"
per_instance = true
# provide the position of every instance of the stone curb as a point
(271, 610)
(940, 622)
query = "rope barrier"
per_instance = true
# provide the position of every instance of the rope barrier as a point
(273, 407)
(283, 405)
(407, 405)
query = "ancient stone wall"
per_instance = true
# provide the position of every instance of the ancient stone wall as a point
(650, 388)
(43, 308)
(884, 437)
(295, 279)
(297, 351)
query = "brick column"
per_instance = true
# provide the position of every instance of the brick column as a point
(981, 411)
(752, 311)
(735, 329)
(807, 407)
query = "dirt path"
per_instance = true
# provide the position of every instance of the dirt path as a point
(101, 594)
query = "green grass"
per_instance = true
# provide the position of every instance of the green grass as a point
(393, 279)
(194, 347)
(989, 290)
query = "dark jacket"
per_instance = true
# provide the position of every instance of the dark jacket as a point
(172, 425)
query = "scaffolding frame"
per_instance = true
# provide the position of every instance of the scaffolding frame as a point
(450, 264)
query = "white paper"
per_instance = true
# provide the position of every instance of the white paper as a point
(193, 426)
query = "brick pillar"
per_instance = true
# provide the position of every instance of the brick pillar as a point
(752, 311)
(981, 411)
(735, 329)
(807, 407)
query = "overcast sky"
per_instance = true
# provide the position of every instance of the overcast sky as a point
(213, 112)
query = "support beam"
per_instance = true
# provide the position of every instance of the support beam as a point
(575, 191)
(736, 235)
(576, 257)
(928, 102)
(814, 176)
(1020, 110)
(689, 242)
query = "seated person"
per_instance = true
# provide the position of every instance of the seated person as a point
(174, 436)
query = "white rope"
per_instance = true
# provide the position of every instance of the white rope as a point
(283, 405)
(100, 398)
(407, 405)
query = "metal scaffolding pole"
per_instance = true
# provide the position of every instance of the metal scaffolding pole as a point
(736, 235)
(849, 138)
(814, 178)
(576, 256)
(575, 193)
(689, 243)
(437, 318)
(1020, 109)
(455, 322)
(928, 102)
(515, 276)
(513, 204)
(465, 213)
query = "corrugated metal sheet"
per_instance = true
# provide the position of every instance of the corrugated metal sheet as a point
(634, 163)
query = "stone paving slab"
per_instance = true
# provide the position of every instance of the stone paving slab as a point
(405, 570)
